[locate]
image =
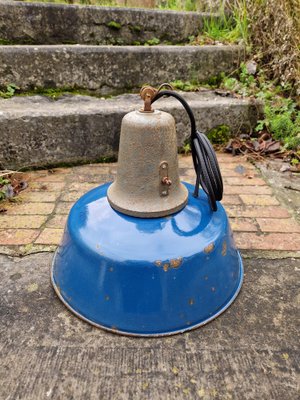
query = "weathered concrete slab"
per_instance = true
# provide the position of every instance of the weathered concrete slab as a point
(250, 352)
(37, 130)
(36, 23)
(109, 68)
(286, 185)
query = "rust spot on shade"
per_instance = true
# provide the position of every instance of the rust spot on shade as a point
(166, 267)
(208, 249)
(111, 269)
(176, 262)
(191, 302)
(224, 248)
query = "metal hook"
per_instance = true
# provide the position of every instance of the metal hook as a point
(148, 93)
(166, 85)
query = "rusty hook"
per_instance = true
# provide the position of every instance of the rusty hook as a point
(148, 93)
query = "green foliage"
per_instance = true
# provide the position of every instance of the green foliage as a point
(54, 93)
(135, 28)
(244, 84)
(186, 86)
(4, 181)
(194, 85)
(215, 81)
(241, 23)
(4, 42)
(9, 92)
(281, 112)
(2, 195)
(219, 135)
(190, 5)
(187, 5)
(153, 42)
(186, 148)
(114, 25)
(118, 41)
(218, 29)
(282, 120)
(3, 187)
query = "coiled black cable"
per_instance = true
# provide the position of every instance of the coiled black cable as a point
(204, 158)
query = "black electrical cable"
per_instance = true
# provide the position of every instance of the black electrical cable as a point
(206, 166)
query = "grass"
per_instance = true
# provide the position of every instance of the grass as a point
(187, 5)
(227, 28)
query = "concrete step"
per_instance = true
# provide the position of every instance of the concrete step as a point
(112, 68)
(40, 131)
(37, 23)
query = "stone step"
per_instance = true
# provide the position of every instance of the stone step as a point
(39, 131)
(37, 23)
(110, 69)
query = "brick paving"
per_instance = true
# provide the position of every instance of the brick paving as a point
(35, 222)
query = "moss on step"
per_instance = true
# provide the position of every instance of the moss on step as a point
(152, 42)
(56, 93)
(135, 28)
(114, 25)
(5, 42)
(194, 85)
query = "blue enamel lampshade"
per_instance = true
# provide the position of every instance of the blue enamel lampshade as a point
(147, 277)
